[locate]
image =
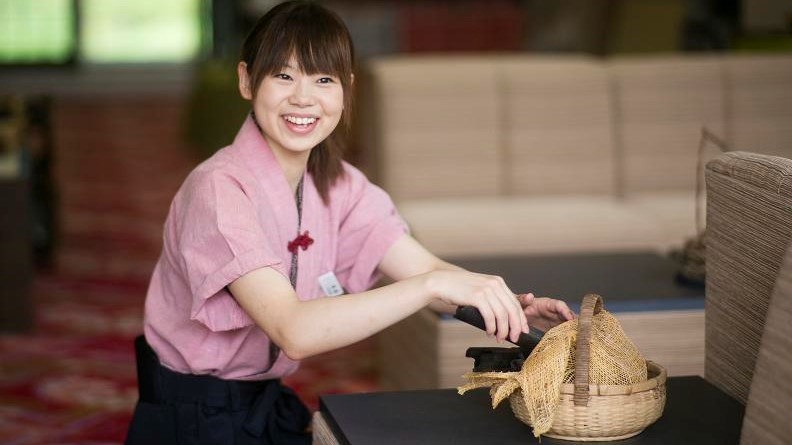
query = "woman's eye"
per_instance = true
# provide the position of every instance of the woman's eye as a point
(326, 80)
(283, 76)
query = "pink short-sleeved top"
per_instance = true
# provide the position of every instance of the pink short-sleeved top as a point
(236, 213)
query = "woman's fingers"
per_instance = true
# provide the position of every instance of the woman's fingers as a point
(554, 309)
(546, 312)
(501, 310)
(557, 310)
(515, 320)
(526, 301)
(502, 317)
(563, 310)
(518, 323)
(505, 308)
(488, 315)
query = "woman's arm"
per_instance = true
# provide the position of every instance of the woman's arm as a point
(306, 328)
(408, 258)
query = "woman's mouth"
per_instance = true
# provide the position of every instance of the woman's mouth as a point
(300, 124)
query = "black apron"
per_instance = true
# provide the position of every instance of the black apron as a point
(177, 408)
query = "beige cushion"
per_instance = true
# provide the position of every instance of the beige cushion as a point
(749, 225)
(770, 400)
(759, 94)
(554, 224)
(674, 212)
(438, 126)
(661, 104)
(557, 126)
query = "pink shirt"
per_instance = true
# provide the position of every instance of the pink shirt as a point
(236, 213)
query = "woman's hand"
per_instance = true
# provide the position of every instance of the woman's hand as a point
(544, 313)
(501, 310)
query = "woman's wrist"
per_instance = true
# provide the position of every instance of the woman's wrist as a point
(429, 287)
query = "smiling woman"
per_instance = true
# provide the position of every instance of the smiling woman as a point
(271, 247)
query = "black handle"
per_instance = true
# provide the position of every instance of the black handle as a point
(472, 316)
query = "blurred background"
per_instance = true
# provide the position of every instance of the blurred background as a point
(106, 105)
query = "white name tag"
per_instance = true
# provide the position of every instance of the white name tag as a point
(330, 285)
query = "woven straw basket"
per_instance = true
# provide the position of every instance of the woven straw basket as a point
(590, 412)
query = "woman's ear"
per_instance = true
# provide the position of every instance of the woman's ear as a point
(352, 80)
(244, 81)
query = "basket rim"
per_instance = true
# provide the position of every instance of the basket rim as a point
(653, 368)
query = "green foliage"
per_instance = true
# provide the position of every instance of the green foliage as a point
(215, 109)
(764, 43)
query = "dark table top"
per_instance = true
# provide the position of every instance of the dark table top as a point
(639, 281)
(696, 412)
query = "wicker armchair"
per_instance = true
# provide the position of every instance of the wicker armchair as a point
(749, 289)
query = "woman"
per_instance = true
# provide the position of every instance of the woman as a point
(263, 230)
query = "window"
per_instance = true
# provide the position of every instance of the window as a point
(110, 31)
(37, 32)
(123, 31)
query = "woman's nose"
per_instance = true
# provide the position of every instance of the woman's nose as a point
(302, 95)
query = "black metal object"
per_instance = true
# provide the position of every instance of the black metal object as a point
(472, 316)
(496, 359)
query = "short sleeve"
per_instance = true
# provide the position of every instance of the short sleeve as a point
(218, 239)
(369, 228)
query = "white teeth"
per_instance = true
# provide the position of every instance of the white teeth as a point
(300, 120)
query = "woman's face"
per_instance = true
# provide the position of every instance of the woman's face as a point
(296, 111)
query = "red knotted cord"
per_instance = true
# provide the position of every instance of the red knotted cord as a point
(301, 241)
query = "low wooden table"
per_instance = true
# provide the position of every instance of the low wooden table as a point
(696, 412)
(664, 318)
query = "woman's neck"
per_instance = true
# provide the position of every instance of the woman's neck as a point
(293, 165)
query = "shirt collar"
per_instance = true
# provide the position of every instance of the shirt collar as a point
(256, 153)
(252, 149)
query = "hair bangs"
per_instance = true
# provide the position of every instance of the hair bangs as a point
(320, 47)
(311, 36)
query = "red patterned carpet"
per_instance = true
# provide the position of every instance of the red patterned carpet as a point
(118, 164)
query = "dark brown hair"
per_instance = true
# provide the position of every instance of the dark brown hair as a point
(320, 43)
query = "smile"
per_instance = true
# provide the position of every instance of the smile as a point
(303, 121)
(300, 125)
